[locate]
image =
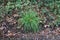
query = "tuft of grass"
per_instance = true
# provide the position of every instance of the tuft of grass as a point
(30, 20)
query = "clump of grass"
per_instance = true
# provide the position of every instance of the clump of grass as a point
(30, 21)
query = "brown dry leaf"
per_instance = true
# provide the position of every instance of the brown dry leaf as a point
(10, 34)
(14, 21)
(15, 15)
(57, 31)
(47, 31)
(9, 19)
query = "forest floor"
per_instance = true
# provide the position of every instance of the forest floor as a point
(42, 35)
(8, 32)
